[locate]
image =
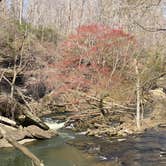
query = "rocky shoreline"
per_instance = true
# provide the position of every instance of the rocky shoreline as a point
(24, 134)
(117, 123)
(123, 123)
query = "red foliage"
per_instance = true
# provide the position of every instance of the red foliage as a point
(90, 55)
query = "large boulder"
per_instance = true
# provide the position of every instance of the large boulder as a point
(38, 133)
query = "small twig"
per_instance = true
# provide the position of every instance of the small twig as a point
(150, 29)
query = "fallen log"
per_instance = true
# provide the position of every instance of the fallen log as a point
(21, 148)
(110, 104)
(82, 116)
(30, 118)
(7, 121)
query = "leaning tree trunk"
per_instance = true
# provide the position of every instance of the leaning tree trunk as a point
(138, 112)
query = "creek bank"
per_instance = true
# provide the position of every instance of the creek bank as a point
(134, 149)
(32, 129)
(25, 134)
(122, 123)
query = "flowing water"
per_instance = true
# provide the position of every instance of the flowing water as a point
(148, 149)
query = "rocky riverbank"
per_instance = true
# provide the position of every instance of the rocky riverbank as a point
(122, 122)
(24, 135)
(106, 123)
(32, 129)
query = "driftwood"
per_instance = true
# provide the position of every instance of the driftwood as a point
(21, 113)
(82, 116)
(7, 121)
(21, 148)
(30, 118)
(111, 104)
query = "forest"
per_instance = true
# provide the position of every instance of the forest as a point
(79, 76)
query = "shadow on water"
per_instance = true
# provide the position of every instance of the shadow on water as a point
(71, 149)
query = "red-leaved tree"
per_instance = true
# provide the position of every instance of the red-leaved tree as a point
(95, 56)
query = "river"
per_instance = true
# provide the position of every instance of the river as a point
(74, 149)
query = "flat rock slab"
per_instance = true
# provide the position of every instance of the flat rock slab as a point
(38, 133)
(19, 134)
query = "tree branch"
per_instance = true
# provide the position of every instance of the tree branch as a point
(149, 29)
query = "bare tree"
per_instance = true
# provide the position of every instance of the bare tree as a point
(21, 2)
(138, 111)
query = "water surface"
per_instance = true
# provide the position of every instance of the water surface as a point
(148, 149)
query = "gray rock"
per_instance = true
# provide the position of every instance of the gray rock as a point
(39, 133)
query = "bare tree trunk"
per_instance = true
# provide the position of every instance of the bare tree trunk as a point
(42, 33)
(14, 77)
(3, 8)
(20, 11)
(138, 114)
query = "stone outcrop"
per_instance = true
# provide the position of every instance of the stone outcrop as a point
(24, 135)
